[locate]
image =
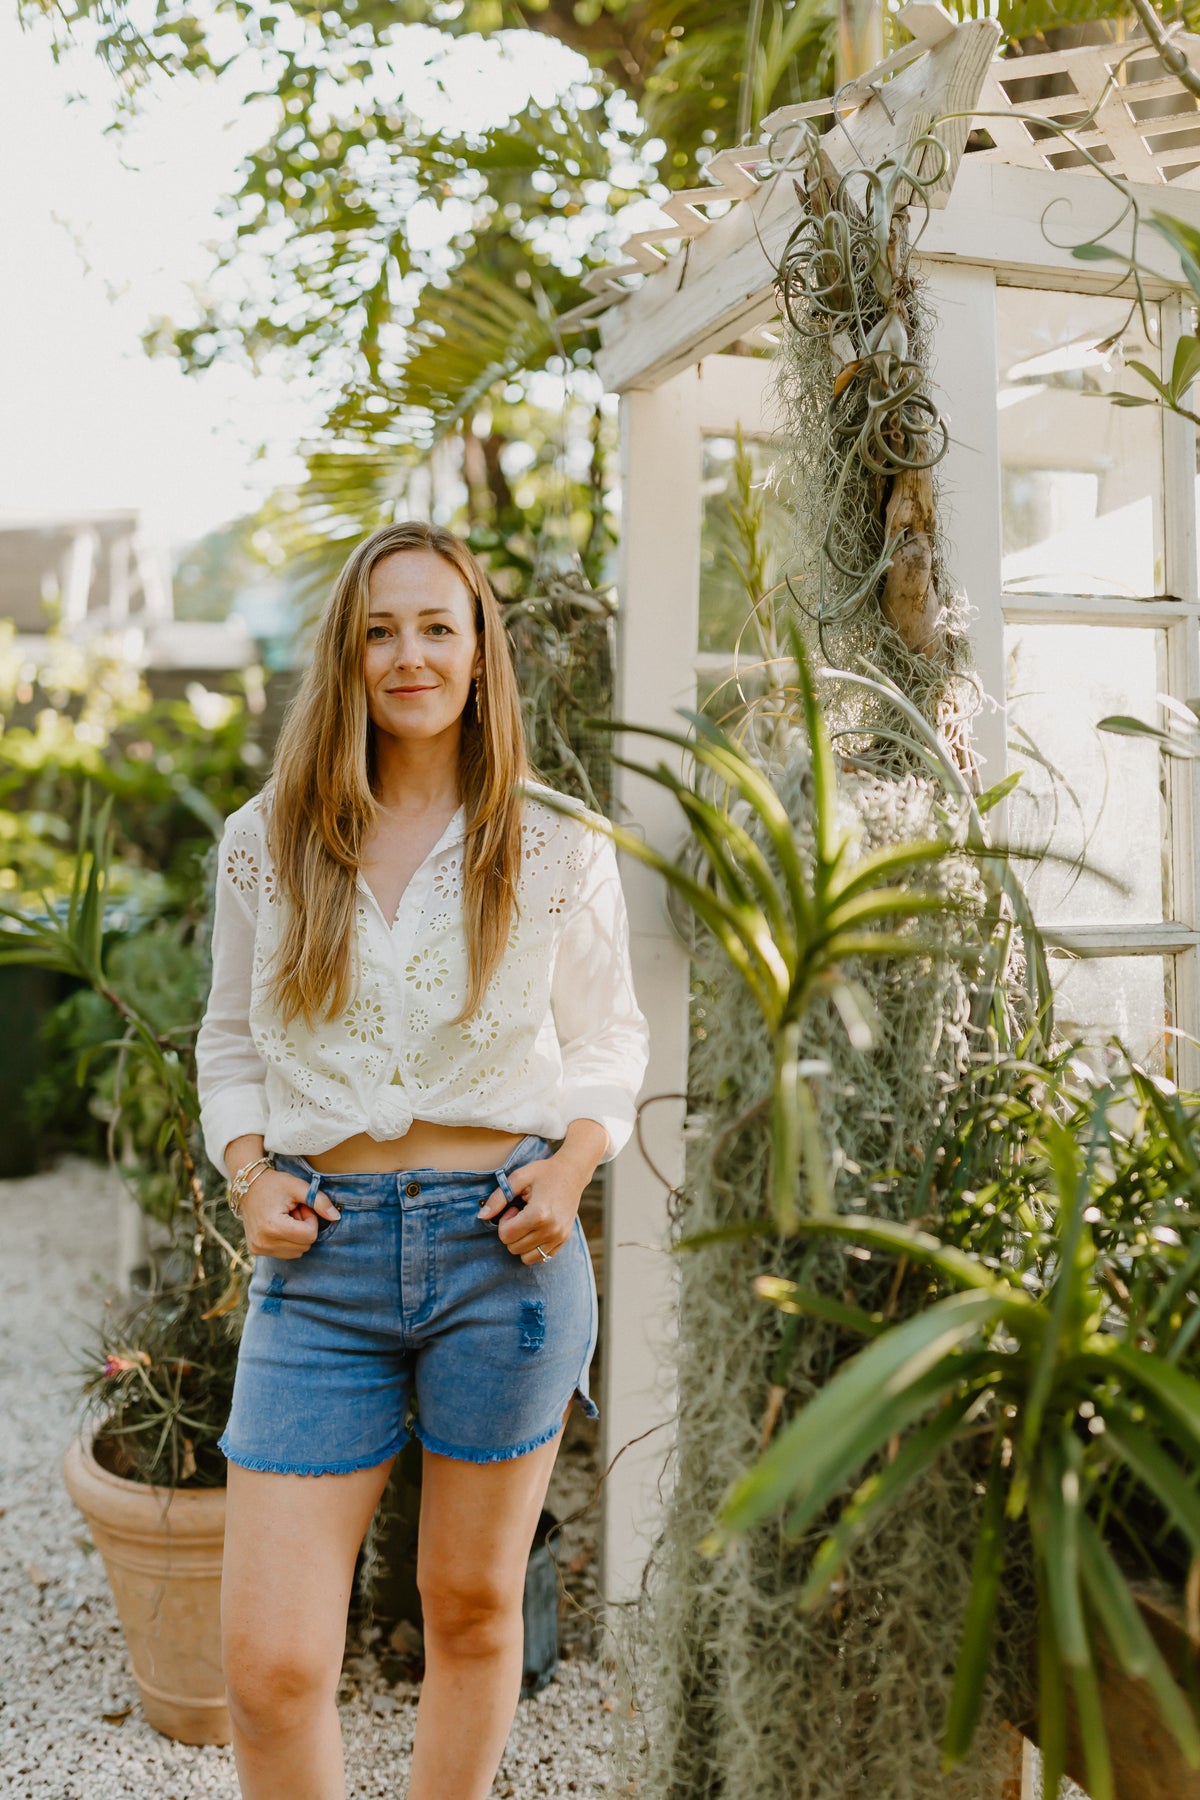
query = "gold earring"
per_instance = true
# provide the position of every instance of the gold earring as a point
(478, 699)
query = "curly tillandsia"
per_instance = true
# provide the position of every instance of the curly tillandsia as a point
(844, 281)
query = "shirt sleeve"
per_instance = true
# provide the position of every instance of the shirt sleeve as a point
(230, 1074)
(602, 1034)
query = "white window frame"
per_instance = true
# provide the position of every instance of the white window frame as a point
(965, 297)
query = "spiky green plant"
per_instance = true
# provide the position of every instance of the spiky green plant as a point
(70, 941)
(786, 923)
(1067, 1404)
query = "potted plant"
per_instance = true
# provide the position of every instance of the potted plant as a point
(145, 1468)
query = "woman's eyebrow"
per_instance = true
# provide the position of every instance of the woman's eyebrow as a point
(425, 612)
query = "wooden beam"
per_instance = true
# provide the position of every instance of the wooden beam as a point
(1022, 223)
(702, 302)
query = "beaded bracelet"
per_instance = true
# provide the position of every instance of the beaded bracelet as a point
(244, 1180)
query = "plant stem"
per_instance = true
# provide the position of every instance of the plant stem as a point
(1160, 37)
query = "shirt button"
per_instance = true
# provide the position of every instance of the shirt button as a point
(412, 1189)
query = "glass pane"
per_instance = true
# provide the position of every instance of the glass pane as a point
(1082, 479)
(1133, 996)
(1084, 794)
(724, 603)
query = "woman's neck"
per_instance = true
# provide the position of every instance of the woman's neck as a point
(416, 779)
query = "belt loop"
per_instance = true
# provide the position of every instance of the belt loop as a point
(502, 1182)
(313, 1187)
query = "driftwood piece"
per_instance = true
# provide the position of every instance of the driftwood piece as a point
(910, 599)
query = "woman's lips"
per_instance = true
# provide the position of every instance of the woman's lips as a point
(408, 690)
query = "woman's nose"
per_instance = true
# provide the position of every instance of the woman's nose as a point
(408, 651)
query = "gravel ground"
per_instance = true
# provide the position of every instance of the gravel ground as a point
(71, 1727)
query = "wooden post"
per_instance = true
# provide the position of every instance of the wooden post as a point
(656, 643)
(962, 298)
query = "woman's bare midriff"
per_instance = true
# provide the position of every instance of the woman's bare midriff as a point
(423, 1146)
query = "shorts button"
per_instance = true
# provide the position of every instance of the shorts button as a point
(413, 1189)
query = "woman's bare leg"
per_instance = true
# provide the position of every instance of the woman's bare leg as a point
(290, 1546)
(477, 1526)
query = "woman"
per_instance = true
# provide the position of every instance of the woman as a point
(421, 1040)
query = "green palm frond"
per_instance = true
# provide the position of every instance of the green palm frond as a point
(465, 337)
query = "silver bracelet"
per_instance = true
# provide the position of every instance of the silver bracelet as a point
(244, 1179)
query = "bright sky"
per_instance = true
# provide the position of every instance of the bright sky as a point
(101, 233)
(99, 236)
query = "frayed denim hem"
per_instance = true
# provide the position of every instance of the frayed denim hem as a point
(505, 1455)
(338, 1468)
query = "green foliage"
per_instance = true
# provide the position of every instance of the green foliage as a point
(81, 1094)
(340, 273)
(1173, 393)
(788, 929)
(167, 1401)
(1075, 1348)
(171, 774)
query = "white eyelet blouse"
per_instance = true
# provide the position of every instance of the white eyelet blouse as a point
(558, 1037)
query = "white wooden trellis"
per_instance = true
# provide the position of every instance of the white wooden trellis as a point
(1123, 85)
(702, 282)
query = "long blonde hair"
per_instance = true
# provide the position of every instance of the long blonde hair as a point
(322, 802)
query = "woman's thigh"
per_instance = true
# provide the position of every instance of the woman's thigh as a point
(477, 1526)
(291, 1542)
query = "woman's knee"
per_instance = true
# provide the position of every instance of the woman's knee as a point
(269, 1681)
(474, 1611)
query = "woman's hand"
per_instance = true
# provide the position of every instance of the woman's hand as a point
(551, 1191)
(277, 1218)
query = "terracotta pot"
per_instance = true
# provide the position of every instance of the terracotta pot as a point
(162, 1552)
(1147, 1763)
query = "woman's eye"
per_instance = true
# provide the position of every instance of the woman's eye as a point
(439, 628)
(373, 630)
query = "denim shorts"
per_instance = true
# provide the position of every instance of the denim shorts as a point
(408, 1312)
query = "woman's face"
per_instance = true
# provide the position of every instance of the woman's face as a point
(422, 646)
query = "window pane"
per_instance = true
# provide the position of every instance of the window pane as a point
(724, 604)
(1084, 794)
(1082, 478)
(1132, 996)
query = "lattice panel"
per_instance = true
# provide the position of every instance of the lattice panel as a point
(1146, 125)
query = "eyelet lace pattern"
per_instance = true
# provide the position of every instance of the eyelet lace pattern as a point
(559, 1034)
